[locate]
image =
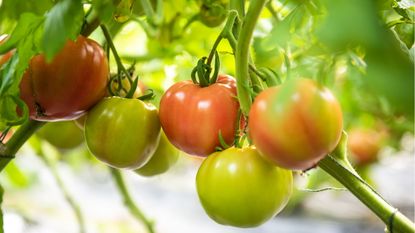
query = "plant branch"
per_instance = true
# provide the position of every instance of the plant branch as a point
(128, 201)
(242, 54)
(9, 150)
(339, 168)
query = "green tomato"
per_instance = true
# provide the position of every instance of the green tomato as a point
(122, 133)
(165, 156)
(213, 12)
(63, 135)
(238, 187)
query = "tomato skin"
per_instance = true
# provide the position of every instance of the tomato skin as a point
(364, 145)
(62, 135)
(69, 85)
(192, 116)
(122, 133)
(296, 124)
(238, 187)
(164, 157)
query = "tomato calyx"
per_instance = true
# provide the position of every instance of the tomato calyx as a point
(201, 74)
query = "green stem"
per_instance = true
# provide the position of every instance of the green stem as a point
(75, 207)
(117, 58)
(242, 54)
(128, 201)
(388, 214)
(9, 150)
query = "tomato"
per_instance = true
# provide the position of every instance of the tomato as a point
(63, 135)
(164, 157)
(238, 187)
(122, 133)
(69, 85)
(364, 145)
(213, 12)
(296, 124)
(5, 57)
(192, 116)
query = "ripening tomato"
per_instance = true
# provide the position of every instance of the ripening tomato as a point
(69, 85)
(238, 187)
(164, 157)
(192, 116)
(63, 135)
(122, 133)
(5, 57)
(364, 145)
(295, 124)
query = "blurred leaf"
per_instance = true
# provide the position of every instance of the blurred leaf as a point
(16, 175)
(63, 22)
(406, 33)
(350, 22)
(104, 9)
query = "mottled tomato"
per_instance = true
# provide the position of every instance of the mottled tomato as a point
(295, 124)
(63, 135)
(364, 145)
(192, 116)
(164, 157)
(122, 133)
(4, 57)
(238, 187)
(69, 85)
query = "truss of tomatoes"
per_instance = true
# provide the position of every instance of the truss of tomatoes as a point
(292, 127)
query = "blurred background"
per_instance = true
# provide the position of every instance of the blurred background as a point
(362, 50)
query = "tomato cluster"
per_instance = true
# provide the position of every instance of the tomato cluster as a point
(292, 126)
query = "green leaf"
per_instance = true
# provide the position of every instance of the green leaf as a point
(104, 9)
(26, 39)
(62, 22)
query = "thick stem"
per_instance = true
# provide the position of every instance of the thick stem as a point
(242, 54)
(128, 201)
(9, 150)
(394, 220)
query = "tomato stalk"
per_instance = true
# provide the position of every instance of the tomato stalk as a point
(128, 201)
(394, 220)
(242, 54)
(25, 131)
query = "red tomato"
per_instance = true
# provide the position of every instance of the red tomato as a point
(5, 57)
(296, 124)
(69, 85)
(192, 116)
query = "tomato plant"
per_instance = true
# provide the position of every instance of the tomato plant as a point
(69, 85)
(296, 124)
(122, 133)
(238, 187)
(164, 157)
(192, 116)
(63, 135)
